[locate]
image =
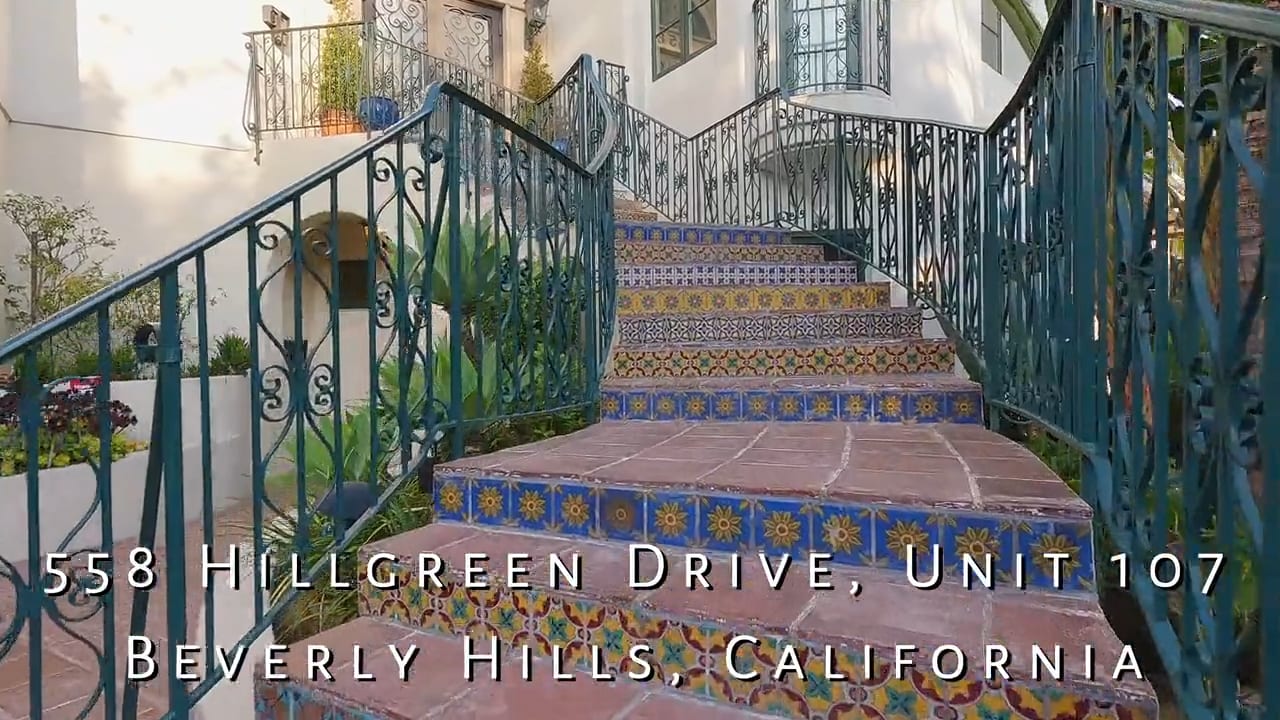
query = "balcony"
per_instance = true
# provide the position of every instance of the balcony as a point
(830, 46)
(347, 78)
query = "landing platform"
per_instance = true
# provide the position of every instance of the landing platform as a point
(868, 494)
(942, 466)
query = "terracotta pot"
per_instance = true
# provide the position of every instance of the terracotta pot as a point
(339, 122)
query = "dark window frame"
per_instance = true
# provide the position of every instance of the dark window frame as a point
(991, 37)
(688, 11)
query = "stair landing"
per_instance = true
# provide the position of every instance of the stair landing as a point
(860, 491)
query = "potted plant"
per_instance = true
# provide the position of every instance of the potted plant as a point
(341, 68)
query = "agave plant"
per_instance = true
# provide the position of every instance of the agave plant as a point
(475, 278)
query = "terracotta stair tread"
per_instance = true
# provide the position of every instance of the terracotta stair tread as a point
(887, 612)
(830, 312)
(702, 226)
(789, 344)
(920, 381)
(941, 467)
(436, 686)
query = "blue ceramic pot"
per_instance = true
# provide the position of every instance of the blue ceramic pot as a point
(378, 113)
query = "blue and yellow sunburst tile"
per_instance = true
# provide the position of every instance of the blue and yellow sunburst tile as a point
(672, 519)
(758, 405)
(452, 497)
(926, 407)
(532, 505)
(638, 405)
(490, 501)
(695, 405)
(783, 526)
(964, 406)
(896, 529)
(979, 538)
(821, 406)
(574, 509)
(856, 405)
(612, 403)
(788, 406)
(890, 407)
(724, 523)
(621, 514)
(844, 531)
(727, 405)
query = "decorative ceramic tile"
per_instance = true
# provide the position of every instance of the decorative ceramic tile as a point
(881, 323)
(849, 358)
(544, 619)
(751, 299)
(699, 234)
(864, 534)
(902, 406)
(658, 253)
(640, 276)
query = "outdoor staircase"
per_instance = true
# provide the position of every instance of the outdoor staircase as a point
(761, 400)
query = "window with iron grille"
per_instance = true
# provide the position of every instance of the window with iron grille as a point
(835, 44)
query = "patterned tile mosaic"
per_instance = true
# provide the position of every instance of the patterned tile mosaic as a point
(754, 299)
(852, 357)
(640, 276)
(548, 621)
(855, 534)
(699, 234)
(657, 253)
(876, 323)
(884, 405)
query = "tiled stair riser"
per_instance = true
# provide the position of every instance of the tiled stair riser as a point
(878, 405)
(878, 324)
(642, 276)
(854, 534)
(751, 299)
(641, 253)
(844, 358)
(698, 235)
(569, 626)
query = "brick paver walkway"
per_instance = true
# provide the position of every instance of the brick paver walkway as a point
(71, 667)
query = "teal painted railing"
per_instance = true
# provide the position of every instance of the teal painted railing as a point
(1098, 256)
(483, 293)
(1141, 142)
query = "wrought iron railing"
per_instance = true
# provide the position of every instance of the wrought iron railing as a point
(300, 84)
(1043, 244)
(1139, 115)
(903, 198)
(397, 300)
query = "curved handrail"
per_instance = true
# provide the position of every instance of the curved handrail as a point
(611, 130)
(84, 309)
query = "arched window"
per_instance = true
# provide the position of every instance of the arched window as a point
(835, 44)
(681, 30)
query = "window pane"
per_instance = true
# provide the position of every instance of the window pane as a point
(702, 26)
(991, 49)
(990, 16)
(669, 46)
(670, 12)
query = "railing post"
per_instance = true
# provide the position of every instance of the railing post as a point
(1085, 221)
(169, 387)
(992, 278)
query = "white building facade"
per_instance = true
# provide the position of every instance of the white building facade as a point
(157, 116)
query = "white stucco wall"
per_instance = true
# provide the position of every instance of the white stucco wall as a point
(936, 66)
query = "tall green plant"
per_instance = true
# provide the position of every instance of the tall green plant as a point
(341, 61)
